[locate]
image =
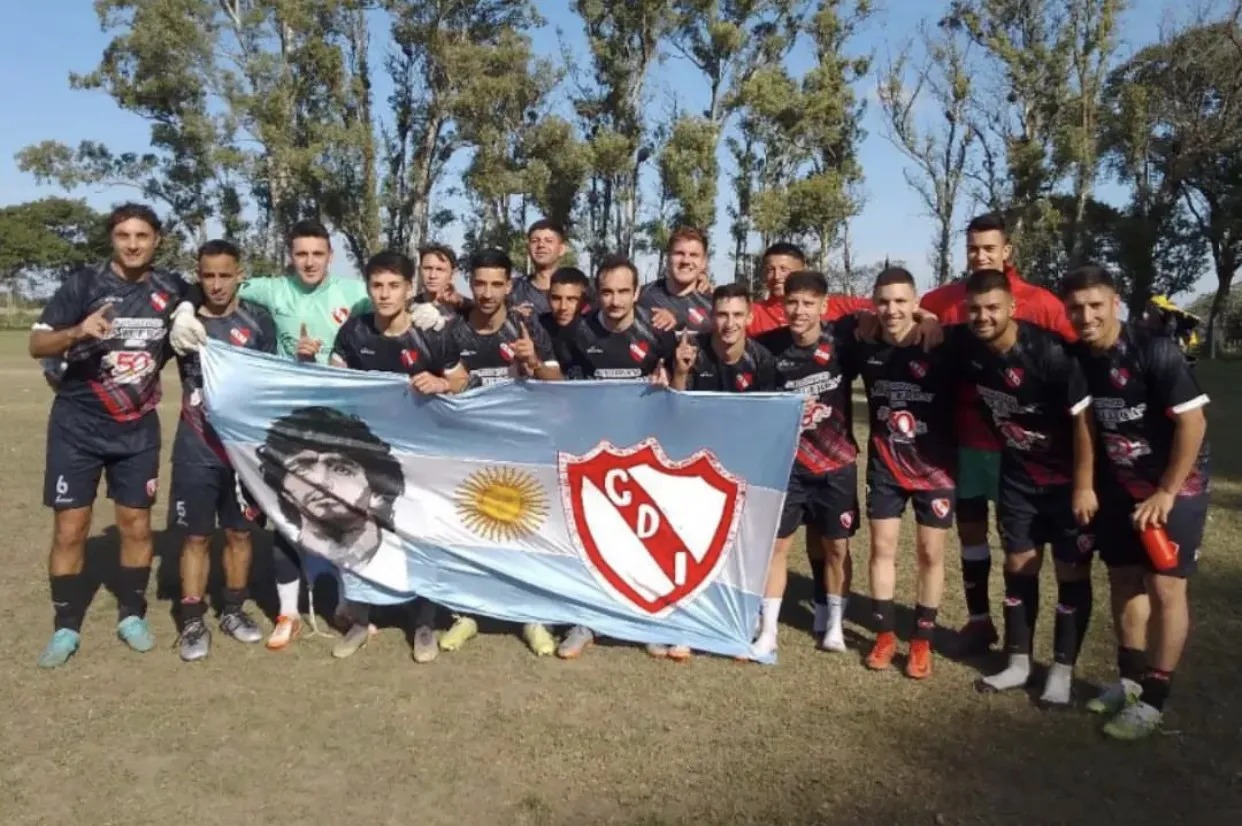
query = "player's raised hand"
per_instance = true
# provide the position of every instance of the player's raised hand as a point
(660, 377)
(97, 325)
(685, 355)
(429, 384)
(524, 348)
(308, 347)
(663, 319)
(524, 310)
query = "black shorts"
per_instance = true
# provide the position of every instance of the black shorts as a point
(827, 503)
(1030, 520)
(206, 495)
(1117, 540)
(887, 500)
(80, 447)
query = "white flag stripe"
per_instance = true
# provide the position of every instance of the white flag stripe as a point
(623, 552)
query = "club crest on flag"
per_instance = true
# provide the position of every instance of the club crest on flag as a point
(652, 531)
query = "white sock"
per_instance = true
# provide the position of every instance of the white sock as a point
(1015, 676)
(1057, 687)
(836, 611)
(821, 619)
(289, 592)
(768, 617)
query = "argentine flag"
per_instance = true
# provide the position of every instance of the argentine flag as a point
(644, 514)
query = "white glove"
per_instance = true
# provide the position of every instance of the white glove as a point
(427, 317)
(187, 333)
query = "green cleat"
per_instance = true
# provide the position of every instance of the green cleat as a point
(1115, 697)
(539, 639)
(464, 629)
(135, 633)
(1135, 722)
(62, 646)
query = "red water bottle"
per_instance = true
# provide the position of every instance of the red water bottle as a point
(1161, 550)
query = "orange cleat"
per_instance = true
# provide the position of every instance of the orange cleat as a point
(881, 656)
(286, 631)
(919, 664)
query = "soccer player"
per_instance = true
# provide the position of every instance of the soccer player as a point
(778, 262)
(436, 265)
(978, 461)
(678, 301)
(909, 459)
(386, 340)
(205, 489)
(569, 296)
(1036, 399)
(724, 360)
(496, 346)
(1149, 412)
(823, 487)
(545, 244)
(109, 323)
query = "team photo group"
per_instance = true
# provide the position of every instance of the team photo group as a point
(990, 401)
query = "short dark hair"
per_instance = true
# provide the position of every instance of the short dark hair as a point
(893, 275)
(727, 291)
(1086, 277)
(309, 228)
(785, 248)
(987, 222)
(389, 261)
(806, 281)
(984, 281)
(546, 223)
(445, 252)
(129, 210)
(327, 430)
(615, 261)
(492, 259)
(571, 275)
(219, 246)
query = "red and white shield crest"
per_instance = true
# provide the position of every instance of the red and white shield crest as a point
(1013, 376)
(409, 358)
(743, 381)
(697, 316)
(239, 336)
(159, 301)
(847, 520)
(823, 353)
(653, 531)
(1120, 377)
(940, 507)
(340, 315)
(918, 369)
(506, 351)
(638, 350)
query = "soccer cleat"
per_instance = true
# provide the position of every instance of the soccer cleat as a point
(539, 639)
(881, 656)
(657, 650)
(286, 631)
(833, 640)
(135, 633)
(679, 653)
(353, 641)
(919, 663)
(240, 626)
(1015, 675)
(195, 641)
(425, 649)
(976, 637)
(1134, 722)
(62, 646)
(763, 646)
(463, 630)
(575, 642)
(1115, 697)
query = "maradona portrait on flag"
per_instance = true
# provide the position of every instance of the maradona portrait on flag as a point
(644, 514)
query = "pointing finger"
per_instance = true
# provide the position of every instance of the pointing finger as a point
(304, 334)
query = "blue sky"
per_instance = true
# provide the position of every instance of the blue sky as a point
(42, 43)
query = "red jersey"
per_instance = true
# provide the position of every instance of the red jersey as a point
(769, 314)
(1031, 303)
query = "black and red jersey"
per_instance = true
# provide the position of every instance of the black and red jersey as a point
(1137, 386)
(117, 378)
(490, 356)
(910, 400)
(823, 371)
(249, 326)
(692, 310)
(754, 372)
(589, 350)
(360, 345)
(524, 291)
(1030, 395)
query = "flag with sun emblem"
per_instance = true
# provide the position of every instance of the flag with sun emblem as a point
(646, 515)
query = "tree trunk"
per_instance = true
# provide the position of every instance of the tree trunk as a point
(421, 184)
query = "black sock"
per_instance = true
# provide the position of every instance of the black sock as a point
(1073, 600)
(1020, 591)
(191, 608)
(885, 615)
(1131, 663)
(131, 591)
(924, 622)
(69, 596)
(234, 599)
(818, 566)
(1082, 612)
(1156, 685)
(975, 580)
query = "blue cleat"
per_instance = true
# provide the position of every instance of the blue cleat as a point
(60, 648)
(135, 632)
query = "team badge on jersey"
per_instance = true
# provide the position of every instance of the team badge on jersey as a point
(697, 316)
(918, 369)
(638, 350)
(653, 531)
(847, 520)
(940, 507)
(1086, 543)
(153, 485)
(239, 336)
(506, 351)
(743, 381)
(409, 358)
(340, 315)
(903, 424)
(159, 301)
(1013, 377)
(823, 353)
(1120, 377)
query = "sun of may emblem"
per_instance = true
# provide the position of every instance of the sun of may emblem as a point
(501, 503)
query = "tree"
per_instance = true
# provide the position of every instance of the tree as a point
(47, 239)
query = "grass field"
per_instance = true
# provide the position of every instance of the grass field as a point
(491, 735)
